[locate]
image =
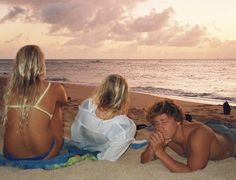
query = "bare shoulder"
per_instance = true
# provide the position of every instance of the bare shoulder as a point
(59, 91)
(199, 132)
(58, 86)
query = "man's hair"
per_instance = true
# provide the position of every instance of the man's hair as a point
(167, 107)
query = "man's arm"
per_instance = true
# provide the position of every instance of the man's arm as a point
(170, 163)
(177, 148)
(147, 155)
(156, 140)
(199, 147)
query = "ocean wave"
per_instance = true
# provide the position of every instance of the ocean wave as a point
(63, 79)
(180, 78)
(4, 73)
(182, 93)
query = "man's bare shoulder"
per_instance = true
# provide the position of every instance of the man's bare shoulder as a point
(197, 131)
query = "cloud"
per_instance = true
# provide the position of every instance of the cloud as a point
(85, 15)
(74, 13)
(213, 42)
(226, 49)
(175, 35)
(31, 3)
(133, 29)
(88, 22)
(91, 38)
(13, 13)
(153, 21)
(92, 23)
(191, 37)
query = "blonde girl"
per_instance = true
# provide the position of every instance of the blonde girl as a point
(33, 116)
(101, 123)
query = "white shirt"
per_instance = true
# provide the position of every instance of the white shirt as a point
(111, 137)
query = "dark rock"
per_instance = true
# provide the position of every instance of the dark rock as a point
(226, 108)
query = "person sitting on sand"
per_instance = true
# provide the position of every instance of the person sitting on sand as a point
(194, 140)
(33, 109)
(101, 123)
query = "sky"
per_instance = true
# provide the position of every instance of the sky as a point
(120, 29)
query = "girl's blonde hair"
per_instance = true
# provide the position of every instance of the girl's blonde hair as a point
(112, 95)
(23, 87)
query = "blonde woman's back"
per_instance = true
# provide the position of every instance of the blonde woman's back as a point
(33, 119)
(36, 136)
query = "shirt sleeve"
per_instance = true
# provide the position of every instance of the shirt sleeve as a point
(119, 145)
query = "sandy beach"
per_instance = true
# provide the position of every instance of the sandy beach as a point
(128, 166)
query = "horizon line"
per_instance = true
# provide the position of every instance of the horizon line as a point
(131, 58)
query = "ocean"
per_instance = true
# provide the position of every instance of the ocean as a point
(195, 80)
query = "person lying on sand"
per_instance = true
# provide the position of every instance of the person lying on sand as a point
(33, 109)
(193, 140)
(101, 123)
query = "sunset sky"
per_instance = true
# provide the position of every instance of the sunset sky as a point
(124, 29)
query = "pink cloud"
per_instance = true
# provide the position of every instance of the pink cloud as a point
(175, 35)
(133, 29)
(31, 3)
(13, 13)
(152, 22)
(91, 38)
(92, 22)
(191, 37)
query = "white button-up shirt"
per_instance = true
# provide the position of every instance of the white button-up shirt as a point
(111, 137)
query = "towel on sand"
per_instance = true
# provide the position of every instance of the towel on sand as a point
(68, 156)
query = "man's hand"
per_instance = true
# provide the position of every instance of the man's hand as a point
(157, 142)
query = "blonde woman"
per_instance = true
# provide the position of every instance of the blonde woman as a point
(101, 123)
(33, 116)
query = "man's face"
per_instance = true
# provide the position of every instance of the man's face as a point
(165, 125)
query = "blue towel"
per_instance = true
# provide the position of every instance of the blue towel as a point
(223, 127)
(137, 144)
(67, 156)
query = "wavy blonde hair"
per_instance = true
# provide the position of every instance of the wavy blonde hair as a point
(112, 95)
(23, 87)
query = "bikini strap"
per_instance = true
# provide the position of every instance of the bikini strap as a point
(42, 110)
(45, 91)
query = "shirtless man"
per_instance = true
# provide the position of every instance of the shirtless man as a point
(196, 141)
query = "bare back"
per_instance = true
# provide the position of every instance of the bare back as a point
(40, 130)
(217, 146)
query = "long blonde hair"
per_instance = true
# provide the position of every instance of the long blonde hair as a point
(23, 87)
(112, 95)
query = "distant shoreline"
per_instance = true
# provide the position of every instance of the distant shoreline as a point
(107, 59)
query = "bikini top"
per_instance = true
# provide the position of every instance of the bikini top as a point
(36, 106)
